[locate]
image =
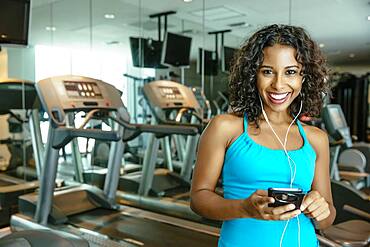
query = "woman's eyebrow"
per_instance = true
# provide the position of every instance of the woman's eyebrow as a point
(292, 66)
(266, 66)
(287, 67)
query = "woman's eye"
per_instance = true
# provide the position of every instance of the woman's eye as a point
(291, 72)
(267, 72)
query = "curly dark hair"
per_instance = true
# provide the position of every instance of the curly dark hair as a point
(243, 93)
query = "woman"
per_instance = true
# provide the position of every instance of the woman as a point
(278, 74)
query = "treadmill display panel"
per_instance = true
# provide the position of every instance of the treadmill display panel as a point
(170, 93)
(76, 89)
(336, 118)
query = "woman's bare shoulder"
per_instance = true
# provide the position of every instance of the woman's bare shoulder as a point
(317, 137)
(228, 121)
(226, 126)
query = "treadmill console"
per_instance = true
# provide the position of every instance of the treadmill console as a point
(63, 94)
(77, 89)
(335, 123)
(170, 93)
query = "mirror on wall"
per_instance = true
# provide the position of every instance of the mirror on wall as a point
(19, 104)
(129, 43)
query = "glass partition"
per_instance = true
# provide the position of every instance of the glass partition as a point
(123, 42)
(17, 95)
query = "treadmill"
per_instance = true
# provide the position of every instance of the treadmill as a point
(160, 189)
(168, 101)
(85, 210)
(18, 94)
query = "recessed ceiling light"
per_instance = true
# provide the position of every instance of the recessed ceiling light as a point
(50, 28)
(109, 16)
(240, 24)
(114, 42)
(321, 45)
(368, 18)
(217, 13)
(188, 1)
(3, 36)
(190, 31)
(351, 55)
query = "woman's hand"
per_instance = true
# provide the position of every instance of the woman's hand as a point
(256, 206)
(315, 206)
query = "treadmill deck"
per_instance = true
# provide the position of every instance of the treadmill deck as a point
(142, 231)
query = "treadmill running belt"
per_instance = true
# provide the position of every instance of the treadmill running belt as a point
(5, 183)
(151, 233)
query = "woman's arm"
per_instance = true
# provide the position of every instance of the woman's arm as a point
(210, 157)
(218, 135)
(318, 204)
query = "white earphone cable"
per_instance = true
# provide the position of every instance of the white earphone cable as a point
(282, 235)
(292, 174)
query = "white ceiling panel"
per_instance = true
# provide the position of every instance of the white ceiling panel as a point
(341, 25)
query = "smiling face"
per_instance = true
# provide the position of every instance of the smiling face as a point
(278, 78)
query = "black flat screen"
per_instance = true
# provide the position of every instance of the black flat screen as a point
(146, 53)
(176, 50)
(14, 21)
(228, 55)
(210, 62)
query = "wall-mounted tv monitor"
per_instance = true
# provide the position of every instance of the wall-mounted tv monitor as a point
(176, 50)
(227, 58)
(210, 62)
(146, 53)
(14, 21)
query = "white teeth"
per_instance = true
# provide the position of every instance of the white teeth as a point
(278, 96)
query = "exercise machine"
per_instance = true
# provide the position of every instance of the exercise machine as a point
(85, 210)
(18, 177)
(167, 99)
(352, 157)
(351, 226)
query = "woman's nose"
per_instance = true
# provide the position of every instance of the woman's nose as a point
(278, 82)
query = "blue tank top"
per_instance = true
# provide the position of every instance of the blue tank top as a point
(249, 166)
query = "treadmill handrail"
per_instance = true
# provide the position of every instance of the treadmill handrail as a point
(19, 187)
(174, 123)
(337, 143)
(160, 130)
(166, 129)
(357, 212)
(193, 113)
(65, 135)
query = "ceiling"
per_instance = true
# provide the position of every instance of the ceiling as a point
(342, 26)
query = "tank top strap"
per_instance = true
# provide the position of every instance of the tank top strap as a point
(245, 123)
(301, 130)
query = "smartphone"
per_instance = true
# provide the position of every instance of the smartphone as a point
(284, 196)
